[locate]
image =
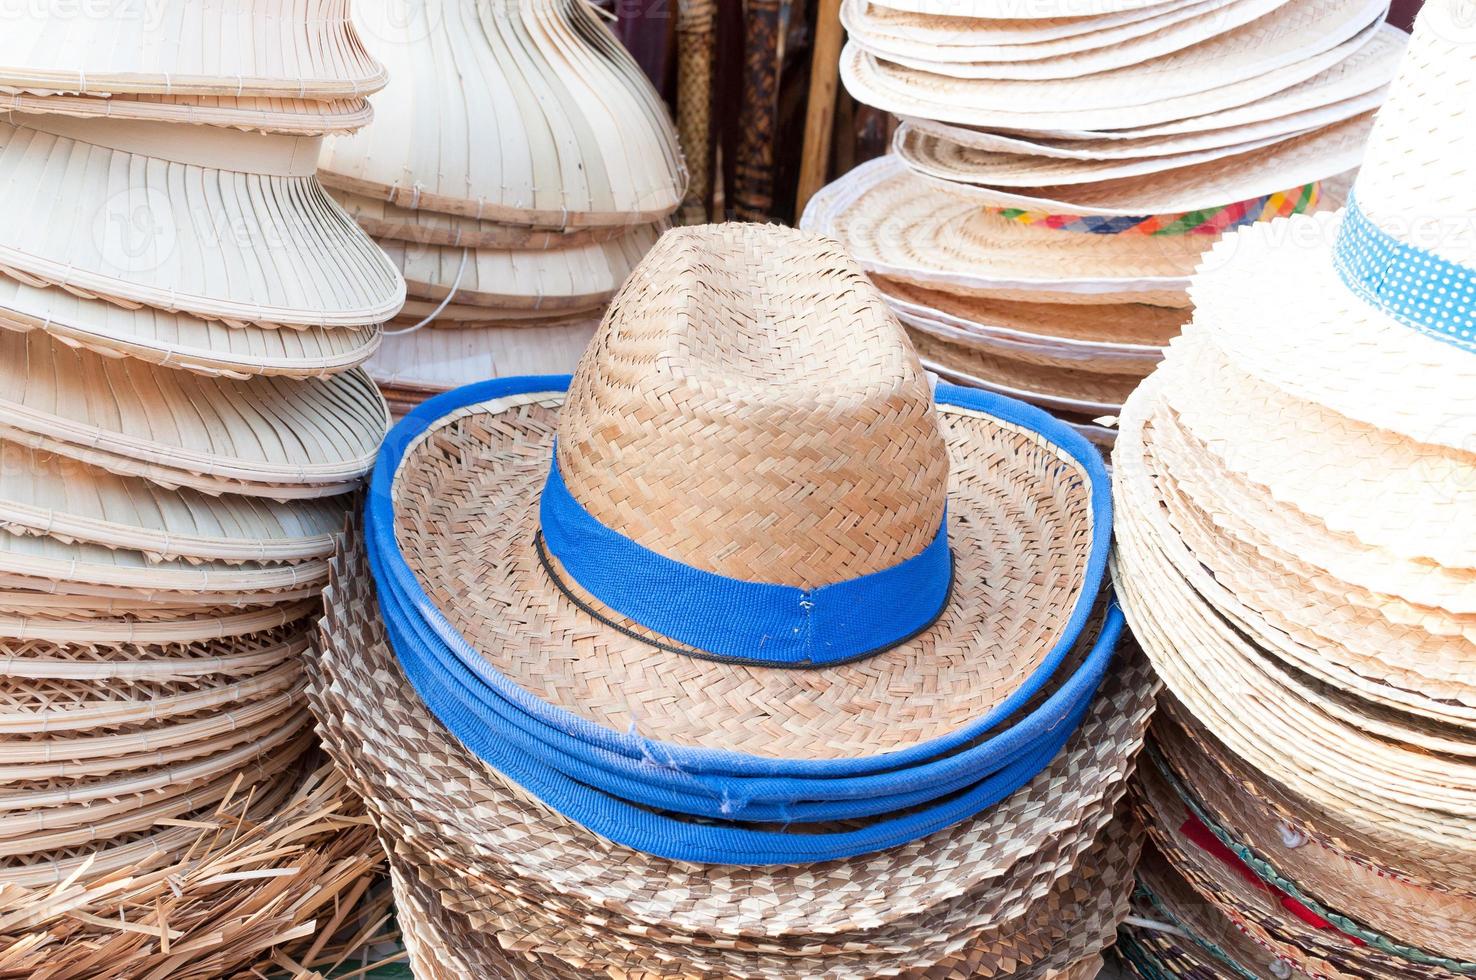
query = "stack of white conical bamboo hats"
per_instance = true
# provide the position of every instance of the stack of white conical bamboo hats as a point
(518, 166)
(181, 426)
(1295, 488)
(1059, 170)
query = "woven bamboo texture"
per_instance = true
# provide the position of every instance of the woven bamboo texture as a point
(612, 903)
(296, 49)
(580, 137)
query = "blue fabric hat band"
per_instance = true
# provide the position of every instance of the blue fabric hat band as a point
(1409, 283)
(731, 619)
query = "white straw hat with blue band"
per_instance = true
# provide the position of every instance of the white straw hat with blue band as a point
(759, 579)
(1360, 303)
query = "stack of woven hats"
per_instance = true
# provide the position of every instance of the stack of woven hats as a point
(1295, 488)
(1057, 177)
(181, 423)
(773, 665)
(518, 166)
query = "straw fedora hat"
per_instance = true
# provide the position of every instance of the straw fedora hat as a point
(580, 136)
(187, 429)
(1368, 899)
(903, 227)
(431, 795)
(1289, 45)
(236, 48)
(1071, 57)
(1357, 342)
(296, 117)
(214, 222)
(732, 677)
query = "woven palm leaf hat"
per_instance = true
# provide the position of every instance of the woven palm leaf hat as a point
(182, 429)
(1344, 617)
(518, 167)
(1060, 170)
(825, 714)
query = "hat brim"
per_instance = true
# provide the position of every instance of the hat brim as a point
(447, 357)
(1082, 54)
(177, 340)
(1002, 518)
(1381, 787)
(902, 226)
(1388, 899)
(295, 116)
(1394, 493)
(1225, 72)
(1404, 657)
(1318, 342)
(1282, 165)
(427, 782)
(954, 37)
(214, 242)
(149, 419)
(573, 279)
(1054, 387)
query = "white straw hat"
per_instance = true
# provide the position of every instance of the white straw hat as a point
(1348, 325)
(1072, 57)
(177, 428)
(1169, 140)
(178, 340)
(291, 49)
(959, 36)
(1284, 167)
(1288, 46)
(901, 226)
(522, 113)
(1272, 163)
(222, 224)
(298, 117)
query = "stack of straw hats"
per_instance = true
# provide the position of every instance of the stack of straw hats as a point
(518, 166)
(1295, 550)
(773, 665)
(1057, 176)
(181, 425)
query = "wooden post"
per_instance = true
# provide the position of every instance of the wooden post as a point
(820, 112)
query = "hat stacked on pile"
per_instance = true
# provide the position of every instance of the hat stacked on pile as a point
(518, 166)
(1295, 550)
(770, 666)
(1056, 177)
(181, 424)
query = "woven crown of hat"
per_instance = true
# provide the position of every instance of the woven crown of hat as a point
(751, 407)
(1408, 242)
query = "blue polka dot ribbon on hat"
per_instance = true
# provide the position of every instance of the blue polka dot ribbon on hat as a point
(1411, 284)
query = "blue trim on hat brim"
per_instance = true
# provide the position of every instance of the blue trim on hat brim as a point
(394, 572)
